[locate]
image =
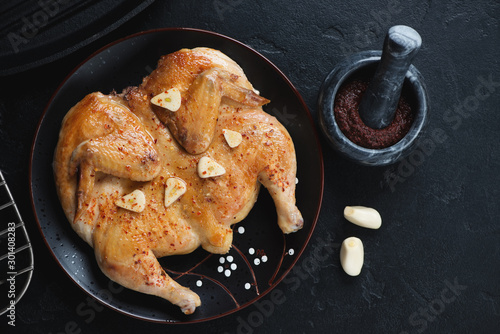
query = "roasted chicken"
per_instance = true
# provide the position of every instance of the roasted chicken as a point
(111, 145)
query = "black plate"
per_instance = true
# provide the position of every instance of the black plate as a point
(223, 287)
(33, 32)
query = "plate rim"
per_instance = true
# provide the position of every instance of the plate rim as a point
(303, 105)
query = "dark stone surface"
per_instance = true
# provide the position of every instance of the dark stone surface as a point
(433, 267)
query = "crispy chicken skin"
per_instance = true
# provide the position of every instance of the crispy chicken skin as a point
(111, 145)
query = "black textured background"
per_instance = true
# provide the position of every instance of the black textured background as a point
(433, 267)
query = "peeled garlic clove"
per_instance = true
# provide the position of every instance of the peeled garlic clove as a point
(175, 188)
(363, 216)
(135, 201)
(233, 138)
(352, 256)
(207, 167)
(170, 99)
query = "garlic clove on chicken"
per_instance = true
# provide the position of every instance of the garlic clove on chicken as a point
(352, 256)
(233, 138)
(135, 201)
(174, 189)
(170, 99)
(363, 216)
(207, 167)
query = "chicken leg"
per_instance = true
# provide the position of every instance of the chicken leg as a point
(126, 259)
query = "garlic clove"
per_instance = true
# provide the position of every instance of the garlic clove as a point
(207, 167)
(174, 189)
(233, 138)
(352, 256)
(170, 99)
(135, 201)
(363, 216)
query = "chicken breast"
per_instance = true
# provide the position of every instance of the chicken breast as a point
(112, 145)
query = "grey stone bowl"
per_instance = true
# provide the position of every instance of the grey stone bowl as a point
(364, 63)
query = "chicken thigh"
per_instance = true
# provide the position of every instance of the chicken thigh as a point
(111, 145)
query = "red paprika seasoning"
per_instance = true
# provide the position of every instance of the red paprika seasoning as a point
(350, 123)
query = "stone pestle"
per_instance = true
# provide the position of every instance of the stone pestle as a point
(379, 102)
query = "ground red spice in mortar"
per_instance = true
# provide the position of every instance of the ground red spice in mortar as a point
(350, 123)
